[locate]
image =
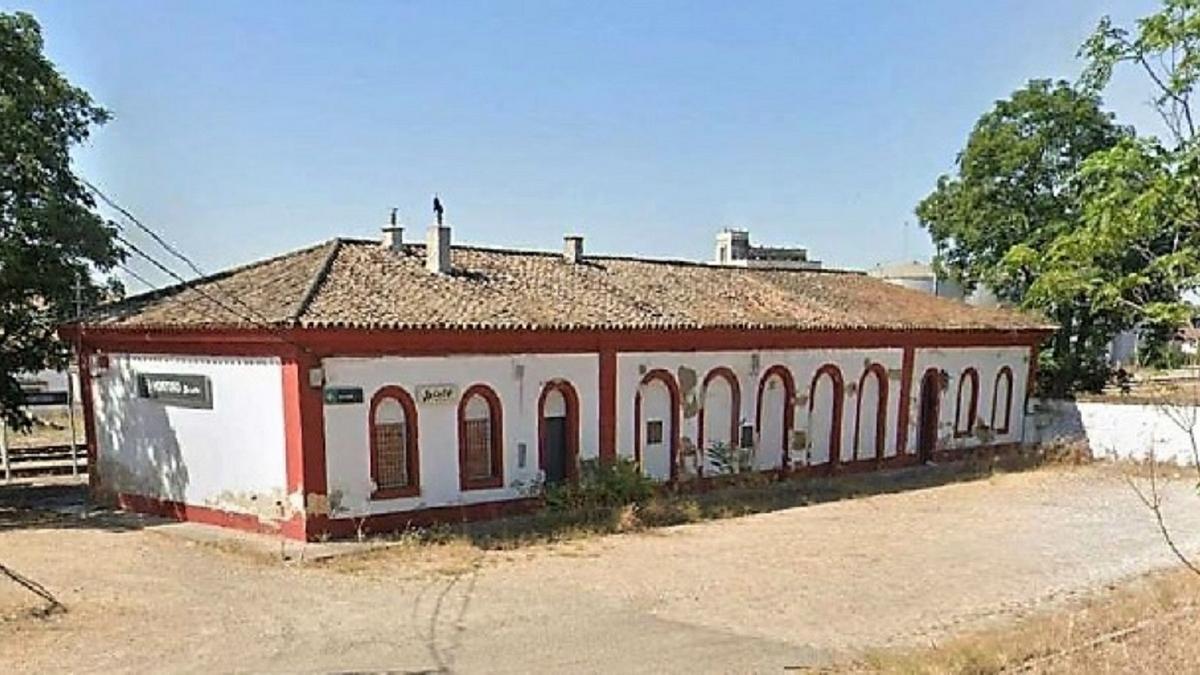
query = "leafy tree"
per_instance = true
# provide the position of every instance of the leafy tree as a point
(50, 236)
(1015, 194)
(1145, 199)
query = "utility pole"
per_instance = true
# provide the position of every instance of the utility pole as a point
(73, 371)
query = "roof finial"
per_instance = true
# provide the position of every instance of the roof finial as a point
(438, 210)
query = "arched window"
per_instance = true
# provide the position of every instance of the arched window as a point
(1002, 399)
(968, 403)
(870, 420)
(825, 415)
(480, 439)
(395, 462)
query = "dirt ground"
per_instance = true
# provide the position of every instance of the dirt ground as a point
(802, 586)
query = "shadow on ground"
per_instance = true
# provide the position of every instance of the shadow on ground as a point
(60, 505)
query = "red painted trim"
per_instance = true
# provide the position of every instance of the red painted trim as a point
(906, 380)
(293, 429)
(496, 420)
(411, 444)
(1031, 379)
(608, 405)
(312, 426)
(835, 423)
(673, 441)
(880, 374)
(1006, 373)
(972, 410)
(197, 514)
(735, 408)
(375, 342)
(637, 427)
(571, 398)
(789, 407)
(89, 418)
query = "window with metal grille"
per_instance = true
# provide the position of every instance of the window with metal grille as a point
(394, 461)
(479, 441)
(654, 432)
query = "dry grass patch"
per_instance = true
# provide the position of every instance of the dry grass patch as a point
(1149, 625)
(738, 496)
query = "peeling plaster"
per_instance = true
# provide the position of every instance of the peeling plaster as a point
(318, 504)
(272, 505)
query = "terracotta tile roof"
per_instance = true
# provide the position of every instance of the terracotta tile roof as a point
(361, 284)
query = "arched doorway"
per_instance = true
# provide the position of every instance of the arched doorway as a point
(927, 428)
(558, 432)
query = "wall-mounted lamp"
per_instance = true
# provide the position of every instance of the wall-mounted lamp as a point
(316, 377)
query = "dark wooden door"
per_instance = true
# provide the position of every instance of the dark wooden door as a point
(556, 449)
(927, 431)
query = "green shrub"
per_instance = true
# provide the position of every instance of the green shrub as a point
(601, 485)
(727, 460)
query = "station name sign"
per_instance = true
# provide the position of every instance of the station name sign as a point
(181, 391)
(435, 394)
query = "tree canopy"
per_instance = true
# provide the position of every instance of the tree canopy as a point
(1016, 193)
(51, 238)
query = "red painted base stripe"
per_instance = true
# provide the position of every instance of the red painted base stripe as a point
(196, 514)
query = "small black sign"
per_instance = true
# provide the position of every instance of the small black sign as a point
(182, 391)
(45, 398)
(343, 395)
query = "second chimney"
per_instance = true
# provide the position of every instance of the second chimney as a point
(573, 249)
(437, 249)
(393, 233)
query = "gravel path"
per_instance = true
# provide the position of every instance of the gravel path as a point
(793, 587)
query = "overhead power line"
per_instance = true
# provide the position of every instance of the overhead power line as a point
(261, 321)
(137, 277)
(149, 232)
(172, 250)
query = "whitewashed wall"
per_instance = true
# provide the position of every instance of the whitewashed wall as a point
(690, 368)
(230, 457)
(987, 361)
(1116, 430)
(517, 381)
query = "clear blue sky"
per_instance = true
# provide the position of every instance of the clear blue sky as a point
(243, 129)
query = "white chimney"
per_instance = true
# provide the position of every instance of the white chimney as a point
(393, 233)
(573, 249)
(437, 249)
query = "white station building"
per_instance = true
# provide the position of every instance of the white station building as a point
(382, 384)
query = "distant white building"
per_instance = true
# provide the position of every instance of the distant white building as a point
(735, 250)
(920, 276)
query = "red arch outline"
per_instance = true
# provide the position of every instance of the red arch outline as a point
(496, 411)
(1006, 373)
(880, 373)
(789, 406)
(571, 398)
(667, 379)
(735, 408)
(835, 424)
(973, 409)
(411, 445)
